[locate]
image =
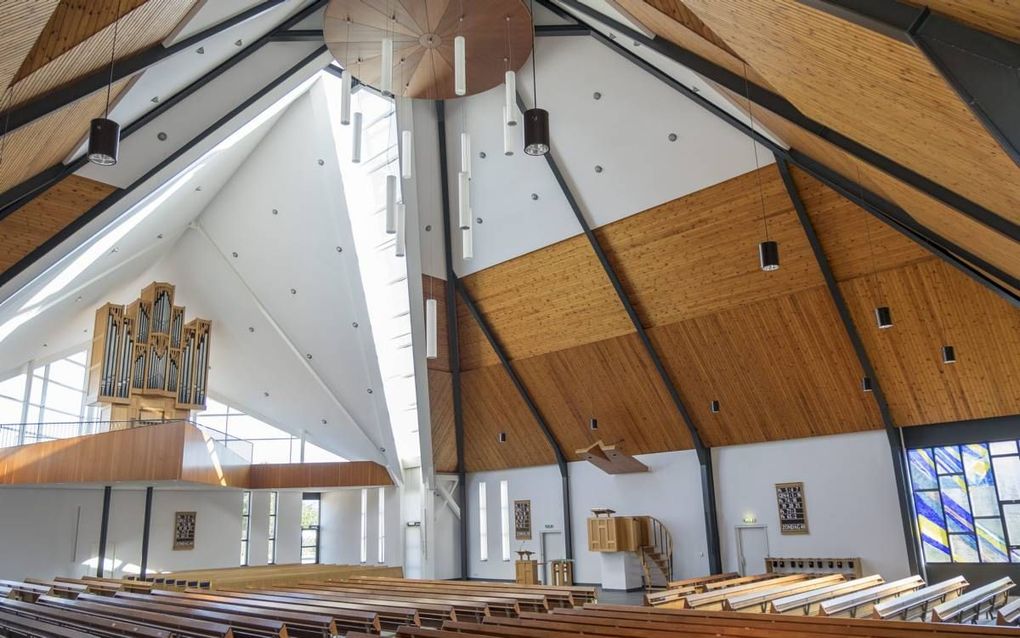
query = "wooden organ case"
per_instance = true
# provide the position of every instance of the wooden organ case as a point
(147, 363)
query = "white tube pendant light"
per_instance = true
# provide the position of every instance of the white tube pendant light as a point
(391, 204)
(467, 244)
(459, 66)
(431, 330)
(345, 98)
(406, 154)
(510, 110)
(465, 153)
(386, 81)
(401, 243)
(508, 138)
(464, 200)
(356, 139)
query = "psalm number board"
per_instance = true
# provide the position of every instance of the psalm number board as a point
(522, 520)
(792, 508)
(184, 530)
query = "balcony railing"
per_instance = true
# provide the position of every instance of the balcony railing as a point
(13, 434)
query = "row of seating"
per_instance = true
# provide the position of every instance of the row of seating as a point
(835, 595)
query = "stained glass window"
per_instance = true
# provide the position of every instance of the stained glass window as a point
(967, 502)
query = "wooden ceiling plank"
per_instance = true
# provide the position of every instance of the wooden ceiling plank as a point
(998, 17)
(22, 22)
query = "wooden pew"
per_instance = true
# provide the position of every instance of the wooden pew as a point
(969, 607)
(805, 603)
(1009, 614)
(558, 595)
(126, 584)
(179, 626)
(529, 598)
(862, 603)
(390, 615)
(244, 626)
(916, 604)
(740, 580)
(430, 613)
(100, 626)
(94, 586)
(713, 599)
(498, 602)
(759, 600)
(464, 608)
(58, 588)
(699, 582)
(12, 624)
(27, 592)
(316, 618)
(669, 597)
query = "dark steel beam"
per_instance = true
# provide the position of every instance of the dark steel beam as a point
(119, 194)
(536, 414)
(895, 447)
(17, 196)
(104, 528)
(882, 209)
(704, 453)
(298, 35)
(783, 108)
(453, 339)
(146, 525)
(561, 29)
(981, 67)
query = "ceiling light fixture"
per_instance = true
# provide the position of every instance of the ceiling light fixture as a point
(768, 250)
(948, 354)
(391, 204)
(502, 437)
(345, 81)
(431, 330)
(104, 133)
(401, 239)
(714, 407)
(465, 153)
(510, 82)
(883, 317)
(536, 120)
(464, 200)
(386, 83)
(468, 244)
(406, 154)
(593, 423)
(866, 384)
(508, 136)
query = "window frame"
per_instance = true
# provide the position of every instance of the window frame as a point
(504, 518)
(311, 496)
(483, 523)
(245, 528)
(274, 506)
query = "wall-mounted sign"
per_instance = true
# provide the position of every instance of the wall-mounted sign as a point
(184, 530)
(522, 520)
(792, 508)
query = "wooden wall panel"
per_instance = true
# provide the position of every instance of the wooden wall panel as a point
(203, 460)
(878, 91)
(554, 298)
(698, 255)
(933, 305)
(854, 242)
(31, 225)
(444, 443)
(491, 405)
(140, 28)
(21, 22)
(279, 476)
(781, 368)
(613, 380)
(999, 17)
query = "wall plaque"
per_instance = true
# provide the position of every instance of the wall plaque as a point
(184, 530)
(792, 508)
(522, 520)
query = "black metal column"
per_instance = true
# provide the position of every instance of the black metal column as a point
(896, 448)
(453, 343)
(145, 532)
(104, 528)
(536, 414)
(704, 453)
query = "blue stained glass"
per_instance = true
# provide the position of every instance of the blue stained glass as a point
(947, 460)
(964, 548)
(991, 542)
(932, 526)
(955, 504)
(1015, 553)
(977, 465)
(922, 469)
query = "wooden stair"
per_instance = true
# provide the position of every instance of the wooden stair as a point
(657, 556)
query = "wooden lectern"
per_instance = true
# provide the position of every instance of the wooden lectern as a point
(527, 569)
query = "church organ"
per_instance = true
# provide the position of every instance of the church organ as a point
(147, 362)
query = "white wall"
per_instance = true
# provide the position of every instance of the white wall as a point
(340, 527)
(852, 504)
(38, 531)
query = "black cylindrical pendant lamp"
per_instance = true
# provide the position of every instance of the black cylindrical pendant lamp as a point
(104, 142)
(502, 437)
(948, 354)
(768, 255)
(714, 407)
(536, 131)
(866, 384)
(593, 423)
(884, 317)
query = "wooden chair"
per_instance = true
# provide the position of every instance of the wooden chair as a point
(969, 607)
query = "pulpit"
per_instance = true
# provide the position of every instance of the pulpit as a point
(526, 568)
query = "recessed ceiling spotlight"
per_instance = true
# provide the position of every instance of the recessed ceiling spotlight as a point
(598, 169)
(114, 250)
(339, 249)
(293, 291)
(308, 356)
(251, 328)
(77, 299)
(155, 99)
(265, 394)
(324, 421)
(370, 390)
(276, 212)
(321, 162)
(672, 137)
(502, 437)
(355, 324)
(200, 50)
(948, 354)
(159, 236)
(714, 407)
(866, 384)
(161, 136)
(883, 317)
(534, 196)
(238, 43)
(596, 95)
(593, 423)
(234, 254)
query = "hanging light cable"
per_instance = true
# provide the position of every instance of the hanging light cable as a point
(536, 120)
(104, 133)
(345, 80)
(883, 315)
(768, 251)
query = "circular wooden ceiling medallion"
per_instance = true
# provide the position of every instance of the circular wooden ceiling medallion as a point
(497, 35)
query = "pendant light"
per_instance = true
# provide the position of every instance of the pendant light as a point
(714, 407)
(459, 65)
(768, 250)
(502, 437)
(401, 239)
(104, 133)
(464, 200)
(345, 81)
(356, 139)
(406, 154)
(866, 384)
(948, 354)
(386, 82)
(883, 315)
(467, 244)
(465, 153)
(510, 82)
(593, 424)
(536, 120)
(431, 330)
(508, 137)
(391, 204)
